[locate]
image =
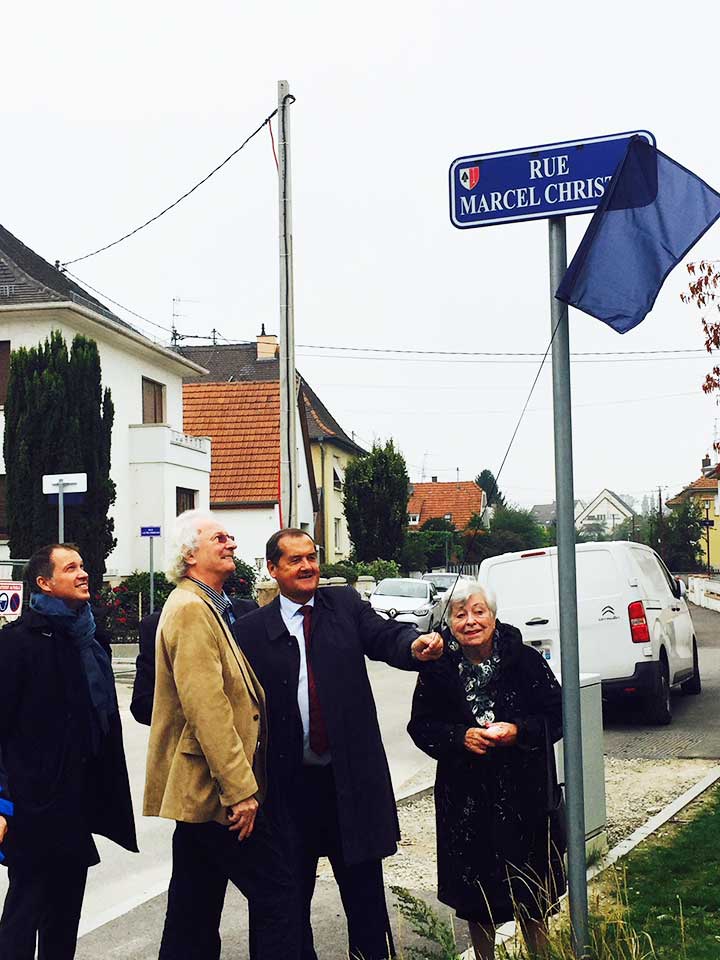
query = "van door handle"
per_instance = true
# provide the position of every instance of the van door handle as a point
(536, 622)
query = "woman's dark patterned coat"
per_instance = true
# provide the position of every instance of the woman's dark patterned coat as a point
(492, 824)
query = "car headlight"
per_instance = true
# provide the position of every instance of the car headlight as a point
(421, 612)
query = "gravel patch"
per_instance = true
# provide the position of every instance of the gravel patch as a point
(635, 791)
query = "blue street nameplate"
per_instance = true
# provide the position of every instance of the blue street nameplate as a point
(550, 180)
(149, 531)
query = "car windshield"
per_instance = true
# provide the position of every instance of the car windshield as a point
(442, 580)
(402, 588)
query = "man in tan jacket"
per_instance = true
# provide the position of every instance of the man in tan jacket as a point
(206, 760)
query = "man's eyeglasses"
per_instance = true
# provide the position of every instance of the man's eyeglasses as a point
(223, 537)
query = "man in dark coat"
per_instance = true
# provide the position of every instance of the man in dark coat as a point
(328, 780)
(144, 686)
(62, 757)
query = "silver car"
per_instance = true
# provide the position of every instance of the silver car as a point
(407, 600)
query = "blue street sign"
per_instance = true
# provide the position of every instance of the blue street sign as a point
(550, 180)
(149, 531)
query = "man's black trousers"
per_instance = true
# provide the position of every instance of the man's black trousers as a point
(205, 857)
(316, 834)
(42, 905)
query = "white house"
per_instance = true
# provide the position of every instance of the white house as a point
(607, 509)
(243, 421)
(157, 469)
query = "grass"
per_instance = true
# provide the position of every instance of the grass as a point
(672, 884)
(661, 902)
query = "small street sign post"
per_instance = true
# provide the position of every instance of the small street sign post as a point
(151, 533)
(60, 484)
(552, 181)
(707, 523)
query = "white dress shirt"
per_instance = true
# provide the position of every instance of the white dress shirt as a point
(293, 620)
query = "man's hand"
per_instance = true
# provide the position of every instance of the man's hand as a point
(477, 741)
(3, 828)
(427, 647)
(242, 817)
(502, 734)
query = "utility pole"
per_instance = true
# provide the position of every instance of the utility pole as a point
(707, 533)
(659, 527)
(288, 385)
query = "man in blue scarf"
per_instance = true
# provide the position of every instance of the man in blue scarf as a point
(63, 764)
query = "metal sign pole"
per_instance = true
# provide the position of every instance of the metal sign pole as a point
(152, 577)
(61, 512)
(569, 658)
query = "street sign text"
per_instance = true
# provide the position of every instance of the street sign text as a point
(552, 180)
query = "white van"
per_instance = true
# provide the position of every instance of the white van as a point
(634, 626)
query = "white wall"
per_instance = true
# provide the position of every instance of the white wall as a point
(251, 527)
(124, 363)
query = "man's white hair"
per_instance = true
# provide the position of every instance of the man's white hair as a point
(464, 589)
(183, 541)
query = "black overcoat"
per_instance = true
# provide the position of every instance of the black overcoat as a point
(345, 629)
(491, 810)
(62, 793)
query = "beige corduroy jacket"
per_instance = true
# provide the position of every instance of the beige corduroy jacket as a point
(208, 730)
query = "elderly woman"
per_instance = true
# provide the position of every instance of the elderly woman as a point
(487, 710)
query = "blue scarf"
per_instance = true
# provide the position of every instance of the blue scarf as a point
(79, 625)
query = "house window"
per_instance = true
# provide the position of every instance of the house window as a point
(153, 401)
(184, 500)
(338, 474)
(413, 518)
(4, 368)
(3, 510)
(448, 516)
(338, 533)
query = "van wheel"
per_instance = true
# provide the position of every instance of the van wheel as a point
(693, 686)
(659, 710)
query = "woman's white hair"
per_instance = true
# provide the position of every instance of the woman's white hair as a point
(463, 590)
(183, 541)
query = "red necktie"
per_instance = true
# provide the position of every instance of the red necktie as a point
(318, 734)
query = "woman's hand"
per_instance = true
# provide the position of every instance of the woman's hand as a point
(477, 741)
(502, 734)
(3, 828)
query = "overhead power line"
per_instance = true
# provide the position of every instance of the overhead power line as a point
(493, 353)
(187, 193)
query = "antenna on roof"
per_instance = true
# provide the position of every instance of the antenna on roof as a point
(262, 330)
(214, 332)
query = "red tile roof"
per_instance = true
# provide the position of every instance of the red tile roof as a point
(696, 488)
(461, 499)
(243, 422)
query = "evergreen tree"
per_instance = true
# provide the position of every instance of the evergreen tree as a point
(57, 419)
(375, 498)
(487, 482)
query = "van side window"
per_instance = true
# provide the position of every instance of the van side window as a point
(672, 582)
(650, 567)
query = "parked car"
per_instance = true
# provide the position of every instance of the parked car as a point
(634, 626)
(412, 601)
(443, 581)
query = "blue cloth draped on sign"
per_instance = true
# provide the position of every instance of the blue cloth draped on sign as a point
(653, 212)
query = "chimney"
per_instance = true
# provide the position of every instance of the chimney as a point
(706, 465)
(267, 345)
(433, 479)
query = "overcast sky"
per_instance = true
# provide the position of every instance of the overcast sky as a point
(113, 110)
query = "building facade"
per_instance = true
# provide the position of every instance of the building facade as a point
(157, 469)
